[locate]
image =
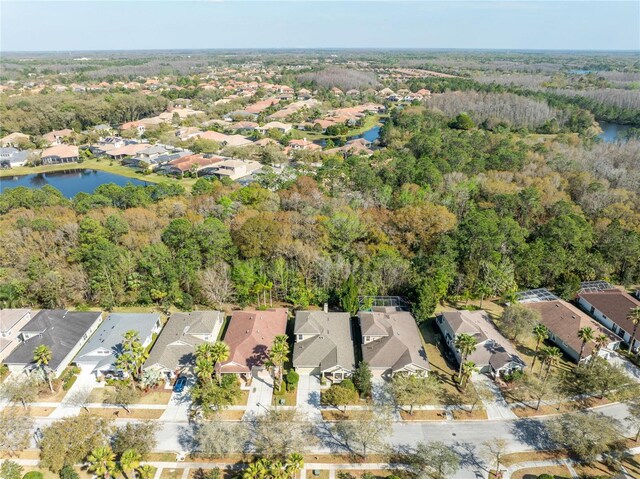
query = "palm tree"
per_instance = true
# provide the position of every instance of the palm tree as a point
(145, 472)
(129, 460)
(586, 334)
(219, 354)
(294, 464)
(42, 356)
(552, 357)
(600, 342)
(634, 317)
(102, 461)
(279, 354)
(465, 344)
(541, 333)
(468, 368)
(204, 369)
(255, 470)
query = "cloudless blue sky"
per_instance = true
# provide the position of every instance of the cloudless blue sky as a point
(114, 25)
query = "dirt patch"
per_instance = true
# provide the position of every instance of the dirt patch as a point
(31, 411)
(464, 415)
(518, 457)
(545, 410)
(424, 415)
(113, 413)
(558, 472)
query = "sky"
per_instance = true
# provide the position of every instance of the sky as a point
(133, 25)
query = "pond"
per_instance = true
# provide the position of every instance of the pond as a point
(371, 135)
(612, 132)
(69, 182)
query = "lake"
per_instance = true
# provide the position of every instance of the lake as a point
(69, 182)
(612, 132)
(371, 135)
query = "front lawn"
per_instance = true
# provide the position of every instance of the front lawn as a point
(290, 397)
(121, 413)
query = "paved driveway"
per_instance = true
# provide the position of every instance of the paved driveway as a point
(497, 407)
(260, 395)
(308, 398)
(77, 396)
(627, 366)
(178, 408)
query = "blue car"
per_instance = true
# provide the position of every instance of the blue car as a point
(178, 387)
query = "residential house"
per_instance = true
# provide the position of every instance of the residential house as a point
(324, 345)
(63, 332)
(12, 157)
(494, 354)
(60, 154)
(392, 343)
(57, 137)
(276, 125)
(11, 322)
(249, 336)
(611, 307)
(233, 169)
(225, 140)
(132, 149)
(189, 163)
(303, 144)
(174, 350)
(14, 139)
(563, 321)
(99, 354)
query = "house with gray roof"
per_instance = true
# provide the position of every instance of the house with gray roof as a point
(392, 343)
(323, 345)
(63, 332)
(100, 353)
(494, 354)
(174, 350)
(11, 157)
(11, 322)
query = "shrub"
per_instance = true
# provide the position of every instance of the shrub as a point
(292, 379)
(545, 476)
(10, 470)
(68, 472)
(33, 475)
(348, 384)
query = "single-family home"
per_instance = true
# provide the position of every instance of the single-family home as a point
(563, 320)
(60, 154)
(14, 139)
(233, 169)
(249, 336)
(276, 125)
(12, 157)
(324, 345)
(391, 342)
(99, 354)
(303, 144)
(132, 149)
(494, 354)
(63, 332)
(57, 137)
(174, 350)
(611, 307)
(11, 322)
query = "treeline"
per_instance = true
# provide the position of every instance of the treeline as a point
(508, 108)
(343, 78)
(40, 113)
(440, 213)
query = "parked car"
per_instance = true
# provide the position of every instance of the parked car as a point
(178, 387)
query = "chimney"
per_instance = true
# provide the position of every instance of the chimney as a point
(326, 307)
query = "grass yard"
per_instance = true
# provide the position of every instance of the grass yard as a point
(242, 399)
(377, 473)
(318, 474)
(335, 415)
(443, 370)
(171, 473)
(424, 415)
(30, 411)
(154, 397)
(290, 397)
(546, 410)
(47, 474)
(45, 394)
(518, 457)
(464, 415)
(558, 472)
(120, 413)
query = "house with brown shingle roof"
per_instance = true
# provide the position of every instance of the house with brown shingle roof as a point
(611, 307)
(494, 354)
(391, 342)
(249, 336)
(563, 321)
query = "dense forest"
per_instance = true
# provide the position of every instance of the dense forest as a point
(445, 210)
